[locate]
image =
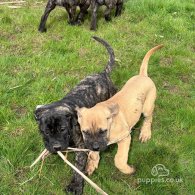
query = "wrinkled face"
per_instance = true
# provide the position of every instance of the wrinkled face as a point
(95, 125)
(55, 127)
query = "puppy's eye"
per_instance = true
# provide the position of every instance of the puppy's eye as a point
(101, 132)
(68, 116)
(47, 132)
(63, 129)
(86, 133)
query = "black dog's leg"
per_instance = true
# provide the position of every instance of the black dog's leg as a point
(107, 14)
(49, 7)
(82, 13)
(77, 183)
(94, 6)
(71, 14)
(118, 9)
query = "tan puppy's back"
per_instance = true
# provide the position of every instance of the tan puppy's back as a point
(133, 94)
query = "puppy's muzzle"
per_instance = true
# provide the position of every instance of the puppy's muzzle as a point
(57, 147)
(96, 146)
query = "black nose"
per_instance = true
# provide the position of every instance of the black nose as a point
(96, 146)
(57, 147)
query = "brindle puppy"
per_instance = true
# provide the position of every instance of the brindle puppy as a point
(70, 6)
(58, 121)
(110, 4)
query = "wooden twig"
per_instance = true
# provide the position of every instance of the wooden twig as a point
(14, 6)
(39, 158)
(27, 180)
(11, 2)
(78, 149)
(95, 186)
(45, 153)
(40, 170)
(15, 87)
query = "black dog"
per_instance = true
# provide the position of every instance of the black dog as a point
(58, 121)
(70, 6)
(110, 4)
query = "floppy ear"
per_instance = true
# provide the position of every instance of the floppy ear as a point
(114, 109)
(38, 111)
(39, 106)
(80, 111)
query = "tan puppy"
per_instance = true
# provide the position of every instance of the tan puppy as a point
(109, 120)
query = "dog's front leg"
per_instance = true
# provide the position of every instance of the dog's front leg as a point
(49, 7)
(94, 7)
(77, 183)
(121, 156)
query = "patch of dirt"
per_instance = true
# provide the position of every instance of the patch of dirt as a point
(184, 78)
(166, 61)
(173, 89)
(17, 132)
(19, 110)
(82, 52)
(20, 173)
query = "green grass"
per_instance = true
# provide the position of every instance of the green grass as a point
(46, 66)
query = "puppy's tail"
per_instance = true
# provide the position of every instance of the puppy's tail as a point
(111, 60)
(144, 66)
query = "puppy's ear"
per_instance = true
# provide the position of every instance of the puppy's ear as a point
(114, 109)
(38, 111)
(80, 111)
(39, 106)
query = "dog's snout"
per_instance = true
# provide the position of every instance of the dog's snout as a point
(57, 147)
(96, 146)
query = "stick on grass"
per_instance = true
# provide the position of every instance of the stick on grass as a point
(11, 2)
(39, 158)
(95, 186)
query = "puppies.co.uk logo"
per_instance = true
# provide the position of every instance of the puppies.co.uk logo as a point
(160, 170)
(160, 174)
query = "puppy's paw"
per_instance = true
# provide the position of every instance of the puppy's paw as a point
(107, 18)
(42, 30)
(72, 23)
(74, 188)
(93, 28)
(92, 163)
(78, 22)
(90, 169)
(130, 170)
(145, 135)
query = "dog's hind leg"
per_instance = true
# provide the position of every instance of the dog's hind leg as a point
(71, 14)
(94, 7)
(107, 14)
(49, 7)
(119, 7)
(121, 156)
(82, 13)
(148, 108)
(92, 162)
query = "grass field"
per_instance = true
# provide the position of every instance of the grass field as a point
(41, 68)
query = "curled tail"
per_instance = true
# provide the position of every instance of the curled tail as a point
(144, 66)
(111, 60)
